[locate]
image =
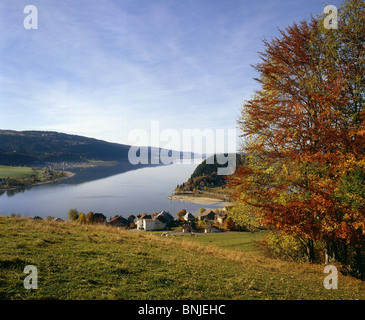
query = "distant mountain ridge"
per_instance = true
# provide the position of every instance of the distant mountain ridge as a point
(25, 147)
(32, 147)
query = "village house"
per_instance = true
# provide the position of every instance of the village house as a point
(145, 222)
(140, 217)
(132, 218)
(157, 221)
(160, 222)
(221, 217)
(207, 215)
(118, 221)
(99, 218)
(189, 217)
(148, 225)
(169, 218)
(211, 229)
(187, 228)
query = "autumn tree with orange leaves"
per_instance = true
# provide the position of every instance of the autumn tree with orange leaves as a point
(304, 133)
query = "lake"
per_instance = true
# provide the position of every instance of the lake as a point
(123, 189)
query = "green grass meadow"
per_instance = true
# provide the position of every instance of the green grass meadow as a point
(236, 241)
(15, 172)
(96, 262)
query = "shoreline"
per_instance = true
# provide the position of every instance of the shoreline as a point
(197, 200)
(67, 174)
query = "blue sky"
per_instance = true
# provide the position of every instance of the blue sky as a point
(103, 68)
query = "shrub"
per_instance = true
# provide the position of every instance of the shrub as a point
(228, 225)
(283, 246)
(200, 226)
(81, 218)
(73, 214)
(90, 217)
(181, 213)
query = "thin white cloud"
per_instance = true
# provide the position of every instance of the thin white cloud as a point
(104, 68)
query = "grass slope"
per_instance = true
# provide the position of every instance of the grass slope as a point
(15, 172)
(235, 241)
(100, 262)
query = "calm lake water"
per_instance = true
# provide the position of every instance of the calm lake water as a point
(122, 190)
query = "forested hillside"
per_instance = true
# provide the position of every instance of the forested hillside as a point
(27, 147)
(206, 173)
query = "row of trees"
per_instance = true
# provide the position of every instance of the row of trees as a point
(81, 217)
(304, 132)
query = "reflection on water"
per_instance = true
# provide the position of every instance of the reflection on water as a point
(13, 192)
(123, 189)
(82, 175)
(96, 173)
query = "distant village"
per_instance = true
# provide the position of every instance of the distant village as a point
(207, 221)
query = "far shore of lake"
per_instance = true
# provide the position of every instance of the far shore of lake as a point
(66, 175)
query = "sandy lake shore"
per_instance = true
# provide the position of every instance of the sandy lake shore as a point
(196, 200)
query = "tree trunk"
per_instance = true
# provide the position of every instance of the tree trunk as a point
(327, 253)
(359, 264)
(345, 254)
(310, 251)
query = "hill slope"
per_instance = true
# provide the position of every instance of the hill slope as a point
(26, 147)
(100, 262)
(34, 147)
(208, 171)
(205, 175)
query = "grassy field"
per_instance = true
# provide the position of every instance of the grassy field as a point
(99, 262)
(236, 241)
(19, 177)
(15, 172)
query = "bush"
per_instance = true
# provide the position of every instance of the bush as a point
(81, 218)
(228, 225)
(181, 213)
(283, 246)
(200, 226)
(73, 214)
(246, 217)
(90, 217)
